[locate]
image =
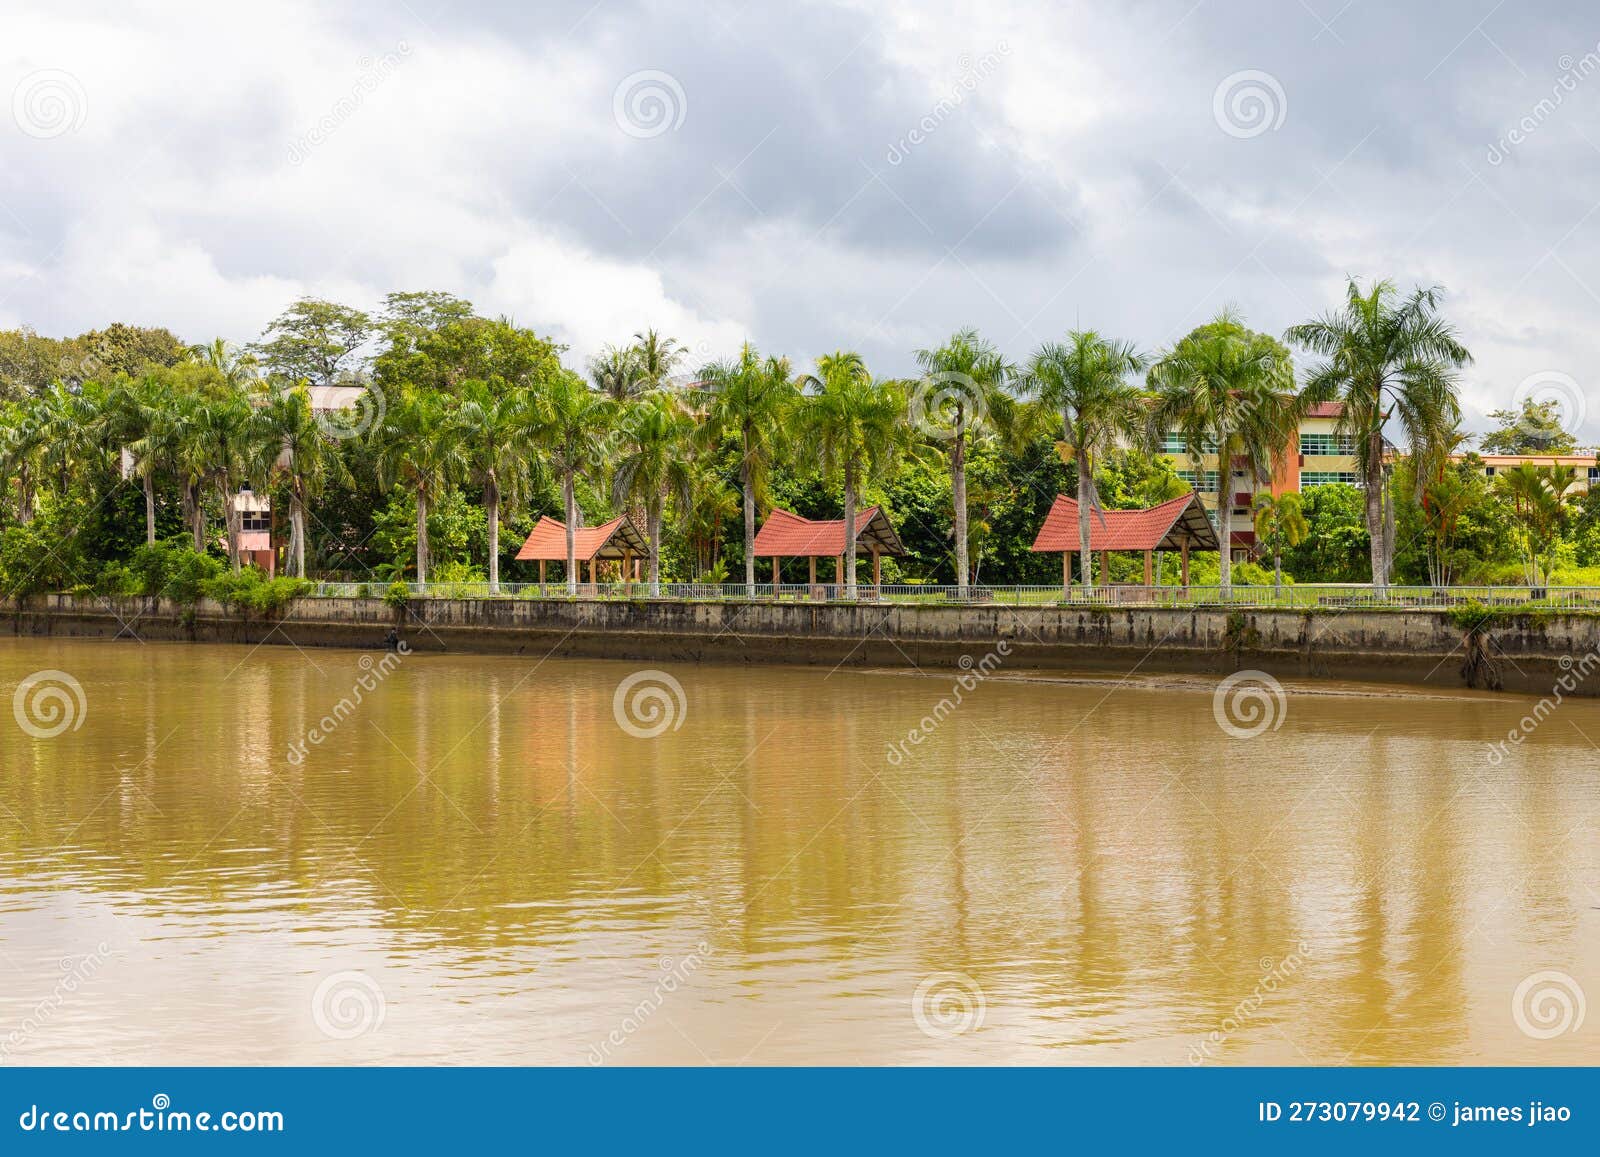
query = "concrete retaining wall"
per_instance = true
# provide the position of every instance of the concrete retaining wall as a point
(1528, 653)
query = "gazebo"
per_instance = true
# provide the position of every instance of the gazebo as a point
(1179, 524)
(787, 535)
(618, 540)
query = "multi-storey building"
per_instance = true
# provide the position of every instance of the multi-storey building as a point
(1585, 463)
(1317, 454)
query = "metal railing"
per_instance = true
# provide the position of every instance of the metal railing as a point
(1303, 596)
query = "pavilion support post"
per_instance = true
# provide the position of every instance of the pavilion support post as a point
(813, 570)
(627, 564)
(541, 576)
(775, 579)
(877, 570)
(1105, 568)
(1185, 565)
(1149, 571)
(838, 572)
(1066, 572)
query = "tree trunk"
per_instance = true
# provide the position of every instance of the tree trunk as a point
(297, 534)
(1374, 508)
(1085, 505)
(230, 522)
(422, 534)
(749, 530)
(491, 506)
(849, 531)
(196, 515)
(1388, 532)
(570, 502)
(653, 524)
(958, 494)
(1224, 511)
(1277, 571)
(24, 497)
(149, 509)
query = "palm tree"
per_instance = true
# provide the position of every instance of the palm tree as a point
(1233, 388)
(1279, 523)
(236, 367)
(221, 441)
(1085, 381)
(291, 442)
(497, 431)
(656, 357)
(652, 464)
(962, 392)
(1385, 357)
(570, 423)
(418, 446)
(616, 373)
(856, 427)
(750, 398)
(1537, 495)
(150, 419)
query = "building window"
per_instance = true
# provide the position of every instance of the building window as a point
(252, 520)
(1325, 477)
(1173, 442)
(1203, 480)
(1489, 470)
(1594, 475)
(1327, 444)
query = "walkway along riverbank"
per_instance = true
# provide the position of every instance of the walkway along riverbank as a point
(1527, 652)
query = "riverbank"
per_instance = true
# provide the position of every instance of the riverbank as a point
(1523, 653)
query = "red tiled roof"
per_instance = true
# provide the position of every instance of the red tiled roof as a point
(549, 541)
(1162, 527)
(1326, 410)
(785, 534)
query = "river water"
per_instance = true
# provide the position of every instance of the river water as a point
(498, 860)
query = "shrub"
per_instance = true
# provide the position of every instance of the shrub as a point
(172, 570)
(398, 596)
(251, 590)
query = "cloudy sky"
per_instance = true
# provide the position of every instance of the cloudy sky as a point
(812, 176)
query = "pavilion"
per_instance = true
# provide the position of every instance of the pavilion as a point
(1179, 524)
(618, 540)
(787, 535)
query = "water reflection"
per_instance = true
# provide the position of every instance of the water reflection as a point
(1121, 881)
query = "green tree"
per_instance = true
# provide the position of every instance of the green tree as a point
(1233, 388)
(1084, 380)
(290, 443)
(1385, 358)
(749, 398)
(1534, 429)
(418, 446)
(963, 394)
(497, 439)
(570, 424)
(315, 340)
(1537, 497)
(234, 366)
(1335, 546)
(652, 465)
(1279, 524)
(221, 443)
(656, 357)
(856, 427)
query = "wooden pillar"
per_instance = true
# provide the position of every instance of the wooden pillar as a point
(594, 573)
(877, 568)
(1185, 564)
(541, 572)
(627, 563)
(775, 578)
(1066, 572)
(838, 570)
(813, 570)
(1105, 568)
(1149, 570)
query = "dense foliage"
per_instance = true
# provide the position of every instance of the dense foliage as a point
(121, 451)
